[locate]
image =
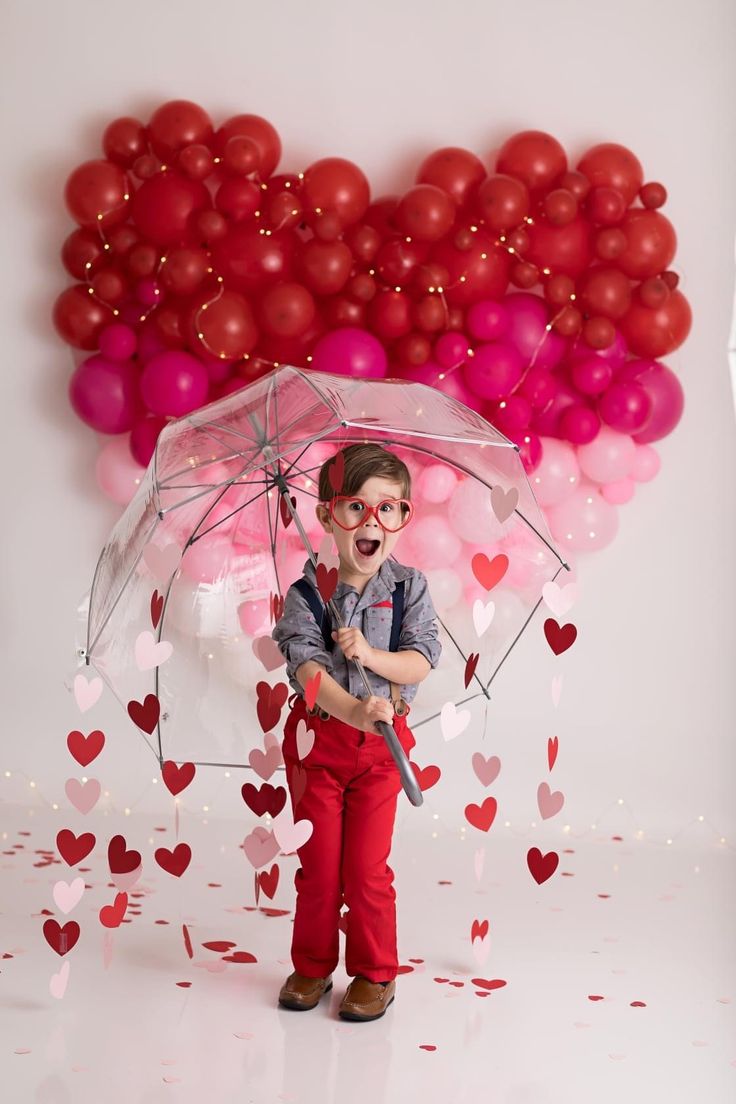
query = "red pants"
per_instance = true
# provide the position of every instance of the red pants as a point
(350, 797)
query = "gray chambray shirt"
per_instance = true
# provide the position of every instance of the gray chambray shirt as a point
(300, 638)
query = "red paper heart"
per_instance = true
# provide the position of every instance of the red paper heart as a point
(85, 749)
(470, 665)
(481, 816)
(552, 749)
(311, 689)
(74, 848)
(177, 778)
(157, 605)
(264, 799)
(61, 939)
(145, 714)
(269, 881)
(270, 702)
(174, 862)
(336, 473)
(286, 516)
(111, 916)
(120, 859)
(478, 930)
(241, 957)
(326, 581)
(559, 638)
(297, 784)
(426, 776)
(541, 866)
(484, 983)
(489, 572)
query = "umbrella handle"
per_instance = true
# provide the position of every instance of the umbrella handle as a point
(408, 778)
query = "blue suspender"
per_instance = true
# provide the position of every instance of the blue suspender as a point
(323, 619)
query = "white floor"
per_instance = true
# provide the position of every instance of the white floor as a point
(646, 928)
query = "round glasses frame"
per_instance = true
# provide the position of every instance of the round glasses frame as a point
(371, 510)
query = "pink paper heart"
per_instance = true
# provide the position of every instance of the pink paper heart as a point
(478, 860)
(260, 847)
(291, 836)
(82, 795)
(503, 503)
(556, 689)
(86, 693)
(267, 652)
(108, 943)
(149, 653)
(162, 562)
(304, 739)
(559, 599)
(265, 763)
(549, 803)
(486, 770)
(67, 895)
(125, 880)
(58, 983)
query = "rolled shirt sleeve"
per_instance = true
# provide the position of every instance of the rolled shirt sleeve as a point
(299, 638)
(419, 625)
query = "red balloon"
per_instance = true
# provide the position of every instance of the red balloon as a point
(397, 260)
(81, 249)
(97, 194)
(534, 157)
(560, 206)
(484, 266)
(611, 165)
(502, 202)
(604, 291)
(123, 140)
(566, 249)
(380, 215)
(653, 195)
(655, 332)
(196, 161)
(390, 315)
(176, 124)
(184, 270)
(458, 172)
(223, 326)
(79, 318)
(262, 134)
(650, 243)
(250, 261)
(326, 266)
(286, 310)
(605, 206)
(238, 199)
(164, 205)
(426, 212)
(336, 185)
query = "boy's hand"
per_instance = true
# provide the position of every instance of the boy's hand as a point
(354, 645)
(367, 711)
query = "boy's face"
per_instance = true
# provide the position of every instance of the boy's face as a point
(353, 562)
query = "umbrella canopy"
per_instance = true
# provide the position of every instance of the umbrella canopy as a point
(181, 606)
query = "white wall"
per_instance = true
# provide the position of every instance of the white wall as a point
(647, 713)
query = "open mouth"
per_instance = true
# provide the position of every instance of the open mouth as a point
(367, 549)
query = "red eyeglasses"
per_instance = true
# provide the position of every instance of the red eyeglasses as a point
(349, 512)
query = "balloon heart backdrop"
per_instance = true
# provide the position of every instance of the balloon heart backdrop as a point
(539, 295)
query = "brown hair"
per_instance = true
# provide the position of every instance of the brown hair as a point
(361, 462)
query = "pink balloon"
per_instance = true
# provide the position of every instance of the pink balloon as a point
(208, 559)
(608, 458)
(619, 492)
(494, 371)
(451, 349)
(350, 352)
(557, 474)
(666, 395)
(118, 475)
(487, 320)
(470, 513)
(105, 393)
(174, 383)
(528, 319)
(118, 342)
(436, 483)
(646, 464)
(584, 522)
(433, 534)
(625, 405)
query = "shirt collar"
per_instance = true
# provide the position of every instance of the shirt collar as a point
(380, 586)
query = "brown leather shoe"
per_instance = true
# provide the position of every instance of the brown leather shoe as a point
(366, 1000)
(302, 993)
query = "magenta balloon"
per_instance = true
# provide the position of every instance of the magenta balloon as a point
(451, 349)
(527, 330)
(511, 415)
(666, 394)
(625, 406)
(150, 343)
(174, 383)
(592, 375)
(118, 342)
(615, 354)
(487, 320)
(143, 437)
(451, 385)
(546, 422)
(539, 386)
(494, 371)
(579, 424)
(350, 352)
(105, 393)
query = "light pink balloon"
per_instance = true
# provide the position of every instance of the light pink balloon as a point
(253, 616)
(432, 532)
(436, 483)
(608, 458)
(619, 492)
(445, 587)
(208, 559)
(470, 513)
(584, 522)
(557, 474)
(118, 475)
(646, 464)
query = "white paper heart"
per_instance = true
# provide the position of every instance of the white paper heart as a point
(559, 599)
(304, 739)
(58, 983)
(482, 615)
(83, 795)
(162, 562)
(549, 803)
(267, 652)
(478, 860)
(556, 689)
(107, 947)
(67, 895)
(86, 693)
(486, 770)
(453, 722)
(503, 503)
(291, 836)
(260, 847)
(150, 654)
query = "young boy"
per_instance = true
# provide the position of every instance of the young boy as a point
(352, 780)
